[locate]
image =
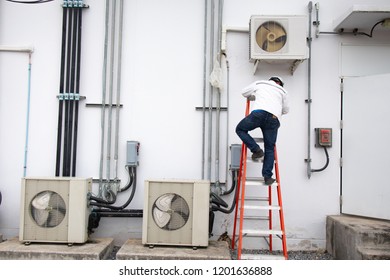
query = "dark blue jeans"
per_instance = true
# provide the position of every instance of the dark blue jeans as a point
(269, 125)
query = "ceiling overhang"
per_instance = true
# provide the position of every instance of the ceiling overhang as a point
(362, 17)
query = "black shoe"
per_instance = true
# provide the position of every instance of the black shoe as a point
(257, 155)
(269, 181)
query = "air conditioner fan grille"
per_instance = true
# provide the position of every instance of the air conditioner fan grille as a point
(47, 209)
(170, 211)
(271, 36)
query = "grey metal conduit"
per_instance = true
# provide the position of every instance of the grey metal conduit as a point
(308, 100)
(104, 85)
(204, 88)
(109, 128)
(227, 119)
(118, 86)
(218, 109)
(211, 48)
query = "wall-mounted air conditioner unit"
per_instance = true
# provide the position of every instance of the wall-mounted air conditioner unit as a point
(54, 209)
(176, 212)
(278, 38)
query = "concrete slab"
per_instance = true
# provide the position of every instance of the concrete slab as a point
(133, 249)
(357, 238)
(94, 249)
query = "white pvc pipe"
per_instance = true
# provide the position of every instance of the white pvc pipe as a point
(16, 49)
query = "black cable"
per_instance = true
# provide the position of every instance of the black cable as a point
(233, 183)
(217, 200)
(230, 210)
(130, 171)
(119, 208)
(326, 164)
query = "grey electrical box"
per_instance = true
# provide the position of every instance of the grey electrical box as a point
(132, 153)
(235, 150)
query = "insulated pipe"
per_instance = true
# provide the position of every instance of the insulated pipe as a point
(104, 85)
(77, 92)
(71, 92)
(118, 86)
(65, 169)
(61, 89)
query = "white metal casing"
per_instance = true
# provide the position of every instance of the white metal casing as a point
(195, 232)
(74, 226)
(296, 44)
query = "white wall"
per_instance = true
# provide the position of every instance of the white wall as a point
(162, 83)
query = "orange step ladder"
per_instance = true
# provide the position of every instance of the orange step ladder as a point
(254, 206)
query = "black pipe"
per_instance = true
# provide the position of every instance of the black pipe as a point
(61, 89)
(65, 167)
(129, 213)
(78, 60)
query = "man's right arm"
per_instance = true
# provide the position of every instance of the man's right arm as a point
(249, 90)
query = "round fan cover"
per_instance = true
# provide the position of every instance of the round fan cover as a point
(170, 211)
(271, 36)
(47, 209)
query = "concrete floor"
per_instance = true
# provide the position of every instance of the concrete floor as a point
(347, 238)
(101, 248)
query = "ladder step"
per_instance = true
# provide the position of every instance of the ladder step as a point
(261, 207)
(261, 257)
(262, 232)
(256, 198)
(257, 218)
(258, 139)
(257, 181)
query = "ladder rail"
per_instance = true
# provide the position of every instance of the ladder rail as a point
(243, 178)
(237, 198)
(243, 148)
(281, 215)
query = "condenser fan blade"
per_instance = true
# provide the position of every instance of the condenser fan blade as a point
(179, 205)
(40, 216)
(271, 36)
(48, 209)
(164, 202)
(41, 200)
(160, 217)
(177, 221)
(170, 211)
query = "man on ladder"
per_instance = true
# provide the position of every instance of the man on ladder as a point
(269, 103)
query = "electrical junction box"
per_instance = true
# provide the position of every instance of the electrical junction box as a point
(132, 153)
(235, 151)
(323, 137)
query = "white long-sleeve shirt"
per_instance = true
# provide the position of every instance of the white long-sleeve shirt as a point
(270, 97)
